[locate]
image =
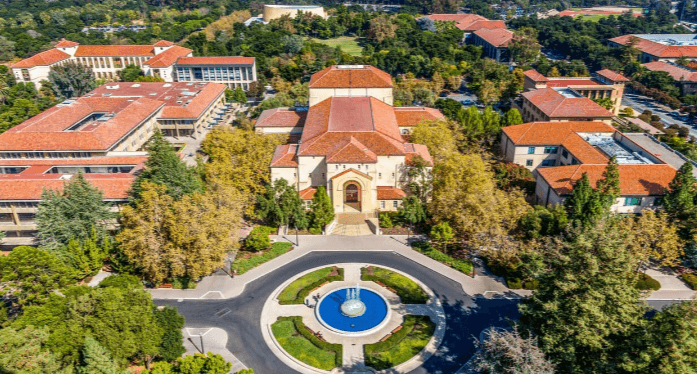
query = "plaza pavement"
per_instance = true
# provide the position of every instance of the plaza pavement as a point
(210, 340)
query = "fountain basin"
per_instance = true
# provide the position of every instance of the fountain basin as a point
(372, 317)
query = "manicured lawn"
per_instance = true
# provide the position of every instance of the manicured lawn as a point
(402, 345)
(348, 44)
(292, 335)
(247, 261)
(298, 290)
(407, 290)
(461, 265)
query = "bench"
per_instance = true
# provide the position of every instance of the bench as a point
(385, 337)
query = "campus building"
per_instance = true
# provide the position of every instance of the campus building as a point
(163, 59)
(101, 135)
(684, 77)
(605, 84)
(469, 23)
(559, 153)
(351, 144)
(491, 35)
(660, 47)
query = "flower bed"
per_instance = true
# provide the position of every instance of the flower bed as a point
(298, 341)
(297, 291)
(403, 344)
(246, 261)
(407, 290)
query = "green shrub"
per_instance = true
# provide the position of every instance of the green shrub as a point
(407, 290)
(293, 336)
(297, 291)
(243, 265)
(645, 283)
(258, 239)
(461, 265)
(402, 345)
(386, 220)
(315, 231)
(514, 283)
(531, 284)
(125, 281)
(690, 279)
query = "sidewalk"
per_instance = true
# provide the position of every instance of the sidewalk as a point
(212, 340)
(672, 287)
(224, 287)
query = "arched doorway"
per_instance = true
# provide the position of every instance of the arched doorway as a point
(352, 195)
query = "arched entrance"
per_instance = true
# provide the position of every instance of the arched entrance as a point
(352, 195)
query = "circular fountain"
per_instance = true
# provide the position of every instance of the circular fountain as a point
(352, 310)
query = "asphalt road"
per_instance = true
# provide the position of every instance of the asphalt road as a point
(640, 103)
(240, 316)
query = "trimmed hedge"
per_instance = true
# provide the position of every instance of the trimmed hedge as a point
(645, 283)
(243, 265)
(690, 279)
(404, 344)
(407, 290)
(329, 348)
(297, 291)
(463, 266)
(516, 284)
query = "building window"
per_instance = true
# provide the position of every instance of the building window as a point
(307, 203)
(382, 205)
(531, 150)
(528, 163)
(550, 149)
(379, 175)
(564, 153)
(395, 204)
(548, 162)
(337, 167)
(632, 201)
(359, 167)
(658, 201)
(392, 175)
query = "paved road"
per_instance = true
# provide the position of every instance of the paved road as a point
(640, 103)
(240, 316)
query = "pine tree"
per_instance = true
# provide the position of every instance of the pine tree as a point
(96, 359)
(322, 210)
(609, 186)
(512, 117)
(680, 198)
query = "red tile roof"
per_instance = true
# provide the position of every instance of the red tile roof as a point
(611, 75)
(658, 49)
(226, 60)
(42, 59)
(556, 105)
(48, 130)
(412, 150)
(495, 37)
(45, 164)
(352, 152)
(535, 75)
(66, 43)
(552, 133)
(351, 76)
(679, 73)
(285, 156)
(638, 180)
(583, 151)
(390, 193)
(114, 50)
(163, 43)
(113, 186)
(352, 171)
(168, 57)
(176, 96)
(410, 116)
(468, 22)
(308, 193)
(281, 117)
(572, 82)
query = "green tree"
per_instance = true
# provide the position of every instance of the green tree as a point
(96, 359)
(586, 307)
(524, 47)
(172, 323)
(412, 211)
(31, 274)
(131, 73)
(125, 281)
(584, 205)
(72, 213)
(24, 351)
(72, 79)
(419, 182)
(322, 210)
(442, 233)
(7, 49)
(258, 238)
(85, 256)
(512, 117)
(507, 352)
(165, 167)
(680, 197)
(281, 205)
(239, 96)
(194, 364)
(292, 44)
(608, 187)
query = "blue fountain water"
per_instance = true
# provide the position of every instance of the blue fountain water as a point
(330, 311)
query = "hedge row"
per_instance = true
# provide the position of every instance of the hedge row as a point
(243, 265)
(463, 266)
(305, 291)
(403, 336)
(321, 344)
(690, 279)
(407, 290)
(645, 283)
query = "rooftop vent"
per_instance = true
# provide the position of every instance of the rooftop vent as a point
(167, 85)
(112, 87)
(135, 85)
(153, 93)
(350, 66)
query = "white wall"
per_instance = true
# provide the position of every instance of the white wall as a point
(318, 95)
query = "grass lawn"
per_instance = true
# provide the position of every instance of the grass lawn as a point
(461, 265)
(292, 335)
(246, 261)
(298, 290)
(348, 44)
(593, 17)
(407, 290)
(402, 345)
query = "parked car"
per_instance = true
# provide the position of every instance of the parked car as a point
(467, 102)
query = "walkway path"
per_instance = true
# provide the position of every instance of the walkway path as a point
(204, 340)
(672, 287)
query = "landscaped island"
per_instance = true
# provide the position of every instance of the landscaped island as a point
(403, 344)
(298, 341)
(407, 290)
(297, 291)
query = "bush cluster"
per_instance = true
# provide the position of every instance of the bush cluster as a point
(300, 328)
(463, 266)
(305, 291)
(243, 265)
(645, 283)
(690, 279)
(411, 323)
(258, 238)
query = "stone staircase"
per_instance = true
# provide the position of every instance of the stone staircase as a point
(353, 224)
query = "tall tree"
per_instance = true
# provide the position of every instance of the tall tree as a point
(524, 47)
(23, 351)
(321, 209)
(281, 205)
(72, 79)
(412, 211)
(131, 73)
(584, 205)
(72, 213)
(609, 186)
(172, 323)
(587, 305)
(653, 237)
(512, 117)
(96, 359)
(419, 181)
(166, 168)
(239, 96)
(680, 198)
(382, 28)
(507, 352)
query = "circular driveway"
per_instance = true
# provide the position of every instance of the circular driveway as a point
(466, 316)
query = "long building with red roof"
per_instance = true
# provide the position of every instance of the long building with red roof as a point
(660, 47)
(559, 153)
(351, 141)
(492, 35)
(163, 59)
